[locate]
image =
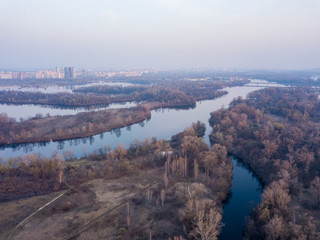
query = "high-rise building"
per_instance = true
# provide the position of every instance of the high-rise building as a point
(69, 72)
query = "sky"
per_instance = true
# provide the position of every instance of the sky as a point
(174, 34)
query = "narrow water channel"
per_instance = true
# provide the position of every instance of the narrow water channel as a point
(245, 195)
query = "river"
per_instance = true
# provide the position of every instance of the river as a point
(245, 194)
(26, 111)
(163, 124)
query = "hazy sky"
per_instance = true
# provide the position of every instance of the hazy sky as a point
(254, 34)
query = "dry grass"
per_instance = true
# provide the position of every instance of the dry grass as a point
(88, 202)
(98, 210)
(14, 212)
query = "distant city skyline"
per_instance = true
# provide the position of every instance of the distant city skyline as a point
(173, 34)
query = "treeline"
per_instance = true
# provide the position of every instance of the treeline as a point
(103, 95)
(67, 127)
(186, 161)
(276, 132)
(61, 99)
(203, 89)
(291, 78)
(167, 96)
(30, 175)
(164, 91)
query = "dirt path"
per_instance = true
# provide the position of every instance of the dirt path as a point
(32, 214)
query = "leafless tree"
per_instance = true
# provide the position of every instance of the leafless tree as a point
(207, 224)
(162, 196)
(275, 228)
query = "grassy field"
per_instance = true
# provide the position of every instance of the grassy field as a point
(15, 211)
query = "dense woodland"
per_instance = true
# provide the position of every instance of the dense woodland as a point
(61, 99)
(276, 132)
(162, 91)
(185, 161)
(166, 96)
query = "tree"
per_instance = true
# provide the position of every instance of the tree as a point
(68, 155)
(207, 222)
(209, 161)
(162, 196)
(315, 184)
(165, 179)
(276, 197)
(275, 228)
(195, 169)
(220, 151)
(120, 151)
(61, 167)
(199, 128)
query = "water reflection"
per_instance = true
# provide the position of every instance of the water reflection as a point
(244, 196)
(26, 111)
(64, 88)
(163, 124)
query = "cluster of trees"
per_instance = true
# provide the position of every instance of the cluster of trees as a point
(291, 103)
(31, 175)
(166, 95)
(162, 91)
(186, 160)
(199, 90)
(112, 90)
(4, 119)
(207, 170)
(195, 181)
(276, 133)
(60, 99)
(67, 127)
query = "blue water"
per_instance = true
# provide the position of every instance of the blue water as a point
(163, 124)
(245, 191)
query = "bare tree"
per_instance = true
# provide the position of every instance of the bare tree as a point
(61, 167)
(68, 155)
(316, 189)
(275, 228)
(207, 224)
(149, 195)
(276, 197)
(165, 179)
(162, 196)
(195, 169)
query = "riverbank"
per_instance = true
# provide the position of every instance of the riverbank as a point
(81, 125)
(275, 132)
(154, 188)
(72, 126)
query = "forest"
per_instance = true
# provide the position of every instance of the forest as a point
(276, 133)
(186, 185)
